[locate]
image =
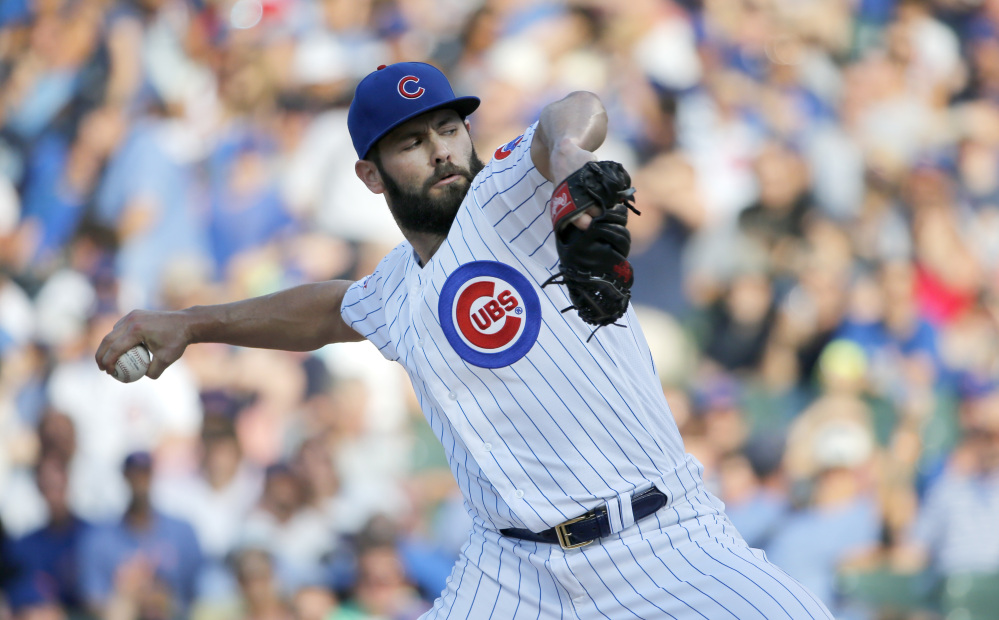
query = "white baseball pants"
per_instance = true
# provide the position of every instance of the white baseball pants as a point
(685, 561)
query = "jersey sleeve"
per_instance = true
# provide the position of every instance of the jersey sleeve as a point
(363, 306)
(512, 196)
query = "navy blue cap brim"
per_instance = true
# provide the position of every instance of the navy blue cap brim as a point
(462, 105)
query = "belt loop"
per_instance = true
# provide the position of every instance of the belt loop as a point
(627, 510)
(614, 514)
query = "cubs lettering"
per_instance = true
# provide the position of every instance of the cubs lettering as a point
(490, 314)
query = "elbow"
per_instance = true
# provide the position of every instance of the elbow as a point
(582, 105)
(585, 98)
(576, 122)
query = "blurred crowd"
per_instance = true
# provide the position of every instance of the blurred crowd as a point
(817, 272)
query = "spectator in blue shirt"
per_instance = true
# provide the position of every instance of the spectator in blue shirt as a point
(840, 522)
(955, 530)
(159, 552)
(897, 333)
(246, 210)
(46, 559)
(753, 486)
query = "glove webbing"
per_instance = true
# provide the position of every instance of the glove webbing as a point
(553, 280)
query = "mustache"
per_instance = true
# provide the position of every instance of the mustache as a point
(445, 170)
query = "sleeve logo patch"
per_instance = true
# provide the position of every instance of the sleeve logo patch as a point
(490, 313)
(504, 151)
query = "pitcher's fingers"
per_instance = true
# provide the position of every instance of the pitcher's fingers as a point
(110, 349)
(118, 344)
(156, 368)
(102, 350)
(582, 221)
(161, 360)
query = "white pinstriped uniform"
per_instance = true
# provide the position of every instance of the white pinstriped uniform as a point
(540, 426)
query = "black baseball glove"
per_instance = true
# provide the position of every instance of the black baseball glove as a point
(593, 263)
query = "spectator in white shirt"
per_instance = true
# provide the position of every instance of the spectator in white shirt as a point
(298, 536)
(215, 499)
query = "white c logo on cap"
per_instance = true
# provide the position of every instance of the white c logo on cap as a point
(404, 91)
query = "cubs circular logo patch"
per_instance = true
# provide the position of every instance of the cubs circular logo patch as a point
(490, 313)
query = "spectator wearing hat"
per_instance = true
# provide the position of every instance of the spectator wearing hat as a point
(718, 404)
(754, 489)
(145, 559)
(838, 520)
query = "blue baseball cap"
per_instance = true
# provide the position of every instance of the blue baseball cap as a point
(138, 460)
(394, 94)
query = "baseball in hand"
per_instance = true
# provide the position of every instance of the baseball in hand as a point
(132, 365)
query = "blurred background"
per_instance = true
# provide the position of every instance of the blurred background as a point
(817, 272)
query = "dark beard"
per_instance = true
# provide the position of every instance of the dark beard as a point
(419, 212)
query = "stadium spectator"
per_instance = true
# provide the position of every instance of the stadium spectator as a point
(950, 532)
(298, 537)
(382, 589)
(839, 520)
(26, 509)
(214, 500)
(144, 559)
(260, 595)
(672, 213)
(755, 490)
(47, 559)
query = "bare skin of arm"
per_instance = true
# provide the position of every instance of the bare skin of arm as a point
(303, 318)
(569, 130)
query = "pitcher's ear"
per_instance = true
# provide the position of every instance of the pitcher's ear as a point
(368, 173)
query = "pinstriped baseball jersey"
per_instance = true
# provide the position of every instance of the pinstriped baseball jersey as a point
(538, 425)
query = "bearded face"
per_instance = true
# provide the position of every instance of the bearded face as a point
(430, 208)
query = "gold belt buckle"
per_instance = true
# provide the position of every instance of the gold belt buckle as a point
(563, 534)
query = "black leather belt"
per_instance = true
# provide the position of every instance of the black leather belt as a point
(595, 524)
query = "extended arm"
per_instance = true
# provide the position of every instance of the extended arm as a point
(302, 318)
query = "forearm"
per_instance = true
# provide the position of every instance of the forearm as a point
(568, 132)
(303, 318)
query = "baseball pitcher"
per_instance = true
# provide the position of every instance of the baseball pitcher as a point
(508, 306)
